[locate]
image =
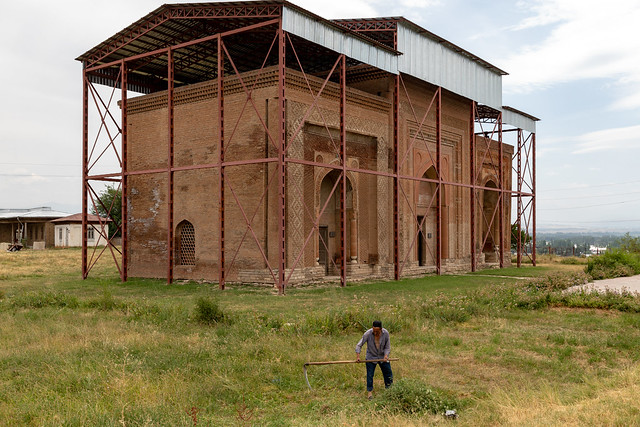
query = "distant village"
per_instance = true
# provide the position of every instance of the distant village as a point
(43, 227)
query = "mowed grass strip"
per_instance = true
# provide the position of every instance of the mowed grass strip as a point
(101, 352)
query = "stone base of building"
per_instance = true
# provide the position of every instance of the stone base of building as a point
(360, 272)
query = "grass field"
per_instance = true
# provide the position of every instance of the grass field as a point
(495, 349)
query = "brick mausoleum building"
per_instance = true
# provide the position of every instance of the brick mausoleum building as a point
(363, 148)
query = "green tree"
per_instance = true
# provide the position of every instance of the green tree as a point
(524, 237)
(111, 198)
(629, 244)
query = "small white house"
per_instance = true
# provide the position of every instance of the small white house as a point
(68, 231)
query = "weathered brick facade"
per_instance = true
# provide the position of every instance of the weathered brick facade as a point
(369, 136)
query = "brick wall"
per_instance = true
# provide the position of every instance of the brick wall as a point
(312, 136)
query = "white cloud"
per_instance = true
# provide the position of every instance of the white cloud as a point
(631, 100)
(589, 39)
(546, 12)
(334, 9)
(417, 3)
(609, 139)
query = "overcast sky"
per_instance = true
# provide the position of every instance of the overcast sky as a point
(575, 64)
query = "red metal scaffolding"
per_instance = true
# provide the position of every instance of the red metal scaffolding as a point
(281, 51)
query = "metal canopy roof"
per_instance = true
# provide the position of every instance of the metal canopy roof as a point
(373, 42)
(511, 116)
(383, 29)
(519, 119)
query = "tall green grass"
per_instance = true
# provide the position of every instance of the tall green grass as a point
(101, 352)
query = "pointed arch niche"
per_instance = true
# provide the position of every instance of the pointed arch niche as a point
(328, 247)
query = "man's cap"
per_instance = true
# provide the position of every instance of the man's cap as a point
(377, 324)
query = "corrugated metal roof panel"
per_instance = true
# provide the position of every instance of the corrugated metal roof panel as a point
(40, 212)
(428, 60)
(519, 119)
(295, 22)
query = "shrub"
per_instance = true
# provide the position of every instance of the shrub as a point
(207, 311)
(616, 263)
(414, 397)
(43, 299)
(1, 294)
(629, 244)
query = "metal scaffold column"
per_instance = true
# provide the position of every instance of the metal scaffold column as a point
(282, 155)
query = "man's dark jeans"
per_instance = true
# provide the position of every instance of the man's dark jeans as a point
(385, 367)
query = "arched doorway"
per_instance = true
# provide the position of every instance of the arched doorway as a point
(490, 222)
(185, 244)
(329, 224)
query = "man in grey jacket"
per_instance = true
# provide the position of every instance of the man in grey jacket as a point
(378, 347)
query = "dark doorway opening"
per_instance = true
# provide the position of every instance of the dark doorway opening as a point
(323, 243)
(422, 243)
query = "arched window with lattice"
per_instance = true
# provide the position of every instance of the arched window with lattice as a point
(185, 244)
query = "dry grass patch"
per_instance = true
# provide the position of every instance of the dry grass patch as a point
(610, 401)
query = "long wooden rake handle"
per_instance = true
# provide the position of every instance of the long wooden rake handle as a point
(340, 362)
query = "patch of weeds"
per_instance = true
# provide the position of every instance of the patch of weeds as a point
(609, 300)
(208, 311)
(624, 342)
(559, 281)
(139, 310)
(631, 320)
(355, 318)
(445, 310)
(41, 299)
(595, 355)
(572, 260)
(564, 353)
(1, 294)
(274, 323)
(557, 339)
(335, 322)
(563, 339)
(414, 397)
(106, 302)
(534, 300)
